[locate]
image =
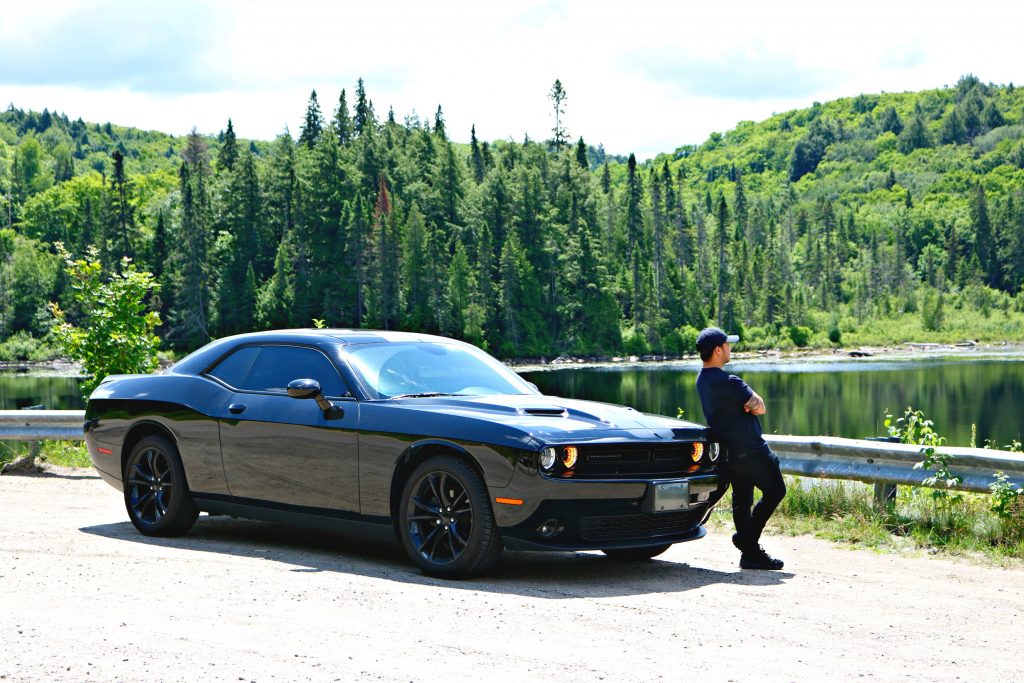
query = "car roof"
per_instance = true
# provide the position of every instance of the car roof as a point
(197, 361)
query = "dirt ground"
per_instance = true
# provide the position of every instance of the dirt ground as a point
(83, 597)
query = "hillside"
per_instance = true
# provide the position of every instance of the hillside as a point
(878, 218)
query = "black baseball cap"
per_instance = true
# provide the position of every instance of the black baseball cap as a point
(712, 337)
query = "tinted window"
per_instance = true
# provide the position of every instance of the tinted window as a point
(396, 369)
(271, 368)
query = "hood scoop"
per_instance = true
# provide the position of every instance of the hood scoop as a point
(544, 412)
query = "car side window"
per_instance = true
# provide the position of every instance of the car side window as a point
(271, 368)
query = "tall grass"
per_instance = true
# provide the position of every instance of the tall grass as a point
(845, 512)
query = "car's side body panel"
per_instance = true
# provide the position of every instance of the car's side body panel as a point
(284, 450)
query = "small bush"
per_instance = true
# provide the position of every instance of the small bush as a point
(23, 346)
(634, 341)
(800, 335)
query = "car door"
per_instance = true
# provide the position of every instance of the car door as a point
(277, 449)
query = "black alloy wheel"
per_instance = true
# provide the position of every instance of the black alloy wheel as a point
(155, 491)
(635, 554)
(446, 521)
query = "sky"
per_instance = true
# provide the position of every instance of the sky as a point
(642, 76)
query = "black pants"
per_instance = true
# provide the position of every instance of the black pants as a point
(759, 469)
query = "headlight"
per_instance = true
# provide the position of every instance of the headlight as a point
(713, 451)
(698, 451)
(547, 458)
(569, 458)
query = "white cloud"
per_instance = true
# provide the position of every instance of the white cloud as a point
(644, 76)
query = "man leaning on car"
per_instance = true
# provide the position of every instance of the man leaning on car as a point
(731, 409)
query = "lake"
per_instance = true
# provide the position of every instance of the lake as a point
(823, 396)
(844, 397)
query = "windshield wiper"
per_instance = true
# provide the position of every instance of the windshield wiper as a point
(427, 394)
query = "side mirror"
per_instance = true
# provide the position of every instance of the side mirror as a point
(304, 388)
(310, 388)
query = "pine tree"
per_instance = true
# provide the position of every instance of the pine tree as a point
(383, 265)
(581, 154)
(122, 212)
(275, 298)
(953, 132)
(342, 121)
(915, 136)
(313, 125)
(228, 150)
(363, 112)
(439, 129)
(557, 95)
(723, 279)
(476, 158)
(890, 121)
(984, 240)
(414, 270)
(634, 237)
(188, 267)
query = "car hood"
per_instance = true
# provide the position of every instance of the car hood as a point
(554, 419)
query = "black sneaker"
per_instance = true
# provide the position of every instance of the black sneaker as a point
(759, 559)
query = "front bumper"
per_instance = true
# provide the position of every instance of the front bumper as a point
(574, 514)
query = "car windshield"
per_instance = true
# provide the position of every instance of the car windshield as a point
(426, 369)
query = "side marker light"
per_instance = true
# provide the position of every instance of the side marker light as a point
(105, 451)
(509, 501)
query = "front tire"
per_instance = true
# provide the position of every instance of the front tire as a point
(635, 554)
(446, 521)
(156, 494)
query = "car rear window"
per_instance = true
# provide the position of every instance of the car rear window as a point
(271, 368)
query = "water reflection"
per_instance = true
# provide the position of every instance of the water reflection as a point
(53, 393)
(846, 399)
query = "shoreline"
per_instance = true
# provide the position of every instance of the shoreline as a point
(907, 351)
(62, 367)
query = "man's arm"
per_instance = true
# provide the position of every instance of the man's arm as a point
(755, 404)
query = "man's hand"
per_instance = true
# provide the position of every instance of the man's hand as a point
(755, 405)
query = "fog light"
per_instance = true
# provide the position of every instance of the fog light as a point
(550, 528)
(570, 456)
(547, 458)
(698, 452)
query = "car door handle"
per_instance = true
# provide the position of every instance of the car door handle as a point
(236, 408)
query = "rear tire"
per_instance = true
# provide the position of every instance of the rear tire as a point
(156, 494)
(445, 520)
(635, 554)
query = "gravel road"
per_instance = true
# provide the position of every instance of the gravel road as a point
(83, 597)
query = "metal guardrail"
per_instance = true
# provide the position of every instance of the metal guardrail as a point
(878, 462)
(41, 425)
(874, 462)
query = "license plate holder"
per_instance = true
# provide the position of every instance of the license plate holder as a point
(667, 496)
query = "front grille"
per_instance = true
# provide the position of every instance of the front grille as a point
(636, 526)
(636, 460)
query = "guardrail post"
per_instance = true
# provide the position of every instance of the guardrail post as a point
(34, 446)
(885, 495)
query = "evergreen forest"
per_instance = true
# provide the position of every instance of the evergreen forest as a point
(878, 218)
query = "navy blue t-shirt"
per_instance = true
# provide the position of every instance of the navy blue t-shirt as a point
(722, 396)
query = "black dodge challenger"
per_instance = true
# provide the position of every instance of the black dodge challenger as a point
(394, 434)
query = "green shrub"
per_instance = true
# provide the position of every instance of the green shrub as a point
(800, 335)
(116, 334)
(687, 337)
(634, 340)
(23, 346)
